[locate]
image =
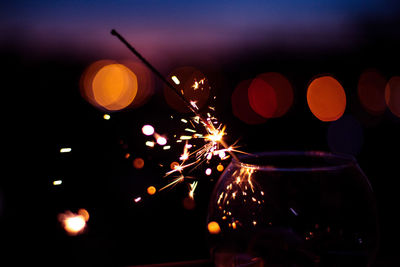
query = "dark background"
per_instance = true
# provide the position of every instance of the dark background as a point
(44, 111)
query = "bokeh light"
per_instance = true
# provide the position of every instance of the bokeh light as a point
(145, 81)
(151, 190)
(213, 228)
(84, 213)
(193, 86)
(283, 91)
(114, 87)
(345, 135)
(371, 91)
(220, 167)
(326, 98)
(109, 85)
(392, 95)
(241, 107)
(138, 163)
(262, 98)
(161, 140)
(189, 203)
(72, 223)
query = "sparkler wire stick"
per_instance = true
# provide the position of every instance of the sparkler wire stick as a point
(154, 70)
(176, 91)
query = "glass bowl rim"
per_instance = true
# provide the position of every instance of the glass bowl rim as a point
(346, 161)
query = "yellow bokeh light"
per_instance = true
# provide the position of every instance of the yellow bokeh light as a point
(220, 167)
(151, 190)
(114, 87)
(213, 228)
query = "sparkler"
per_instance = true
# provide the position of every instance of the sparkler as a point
(213, 136)
(191, 106)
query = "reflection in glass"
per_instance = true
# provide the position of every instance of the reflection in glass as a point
(293, 209)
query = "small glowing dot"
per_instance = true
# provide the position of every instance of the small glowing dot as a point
(175, 79)
(213, 228)
(150, 144)
(151, 190)
(220, 167)
(166, 147)
(137, 199)
(234, 225)
(106, 117)
(208, 171)
(65, 150)
(57, 182)
(161, 140)
(127, 155)
(148, 130)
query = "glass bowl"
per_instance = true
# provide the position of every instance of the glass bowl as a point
(293, 209)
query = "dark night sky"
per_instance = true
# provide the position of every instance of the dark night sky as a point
(46, 45)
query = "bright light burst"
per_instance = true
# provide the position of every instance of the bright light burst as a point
(203, 142)
(72, 223)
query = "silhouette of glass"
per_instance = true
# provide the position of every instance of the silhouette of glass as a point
(293, 209)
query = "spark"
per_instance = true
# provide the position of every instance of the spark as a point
(190, 130)
(215, 135)
(185, 137)
(106, 117)
(293, 211)
(184, 121)
(150, 143)
(192, 188)
(57, 182)
(65, 150)
(175, 181)
(166, 147)
(193, 103)
(137, 199)
(179, 168)
(175, 80)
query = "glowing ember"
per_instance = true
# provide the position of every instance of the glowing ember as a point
(213, 228)
(151, 190)
(74, 224)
